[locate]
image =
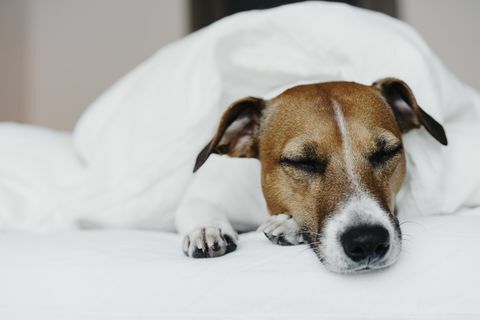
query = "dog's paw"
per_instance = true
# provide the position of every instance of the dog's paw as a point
(283, 230)
(209, 242)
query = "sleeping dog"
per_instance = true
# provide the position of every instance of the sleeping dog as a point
(332, 161)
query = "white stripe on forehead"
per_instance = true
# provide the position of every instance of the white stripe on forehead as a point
(358, 208)
(346, 143)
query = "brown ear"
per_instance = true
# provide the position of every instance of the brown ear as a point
(408, 113)
(236, 133)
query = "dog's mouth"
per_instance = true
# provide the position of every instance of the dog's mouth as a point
(369, 267)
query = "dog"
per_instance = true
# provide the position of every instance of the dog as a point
(332, 162)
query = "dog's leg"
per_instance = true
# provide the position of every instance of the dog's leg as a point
(283, 230)
(224, 190)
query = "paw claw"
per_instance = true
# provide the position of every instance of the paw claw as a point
(231, 245)
(208, 243)
(216, 246)
(198, 253)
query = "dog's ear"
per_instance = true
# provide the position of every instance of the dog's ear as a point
(236, 133)
(408, 113)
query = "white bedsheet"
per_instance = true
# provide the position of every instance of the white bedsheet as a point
(144, 275)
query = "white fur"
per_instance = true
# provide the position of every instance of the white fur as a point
(346, 145)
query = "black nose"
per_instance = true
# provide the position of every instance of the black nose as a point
(365, 242)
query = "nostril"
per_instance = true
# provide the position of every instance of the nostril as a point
(357, 253)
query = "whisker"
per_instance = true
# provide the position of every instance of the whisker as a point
(412, 222)
(299, 253)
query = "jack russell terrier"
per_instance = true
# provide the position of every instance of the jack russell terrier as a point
(332, 162)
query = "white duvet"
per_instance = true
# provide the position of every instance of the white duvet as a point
(129, 161)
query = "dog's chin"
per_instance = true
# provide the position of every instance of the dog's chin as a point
(340, 263)
(357, 268)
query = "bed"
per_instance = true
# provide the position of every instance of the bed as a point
(75, 207)
(125, 274)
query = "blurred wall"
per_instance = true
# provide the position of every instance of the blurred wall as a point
(452, 29)
(13, 47)
(57, 56)
(61, 54)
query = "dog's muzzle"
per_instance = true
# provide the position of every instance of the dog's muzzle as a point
(359, 236)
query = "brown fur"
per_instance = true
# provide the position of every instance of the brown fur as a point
(305, 114)
(302, 121)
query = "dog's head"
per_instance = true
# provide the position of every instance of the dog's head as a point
(332, 157)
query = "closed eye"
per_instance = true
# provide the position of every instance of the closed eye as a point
(382, 156)
(315, 165)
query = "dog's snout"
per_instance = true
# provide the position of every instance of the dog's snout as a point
(365, 242)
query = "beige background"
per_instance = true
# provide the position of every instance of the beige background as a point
(57, 56)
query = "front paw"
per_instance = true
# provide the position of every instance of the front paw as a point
(283, 230)
(209, 242)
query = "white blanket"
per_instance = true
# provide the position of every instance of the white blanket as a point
(119, 275)
(129, 161)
